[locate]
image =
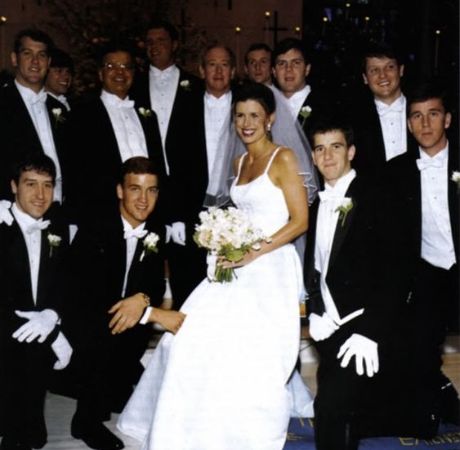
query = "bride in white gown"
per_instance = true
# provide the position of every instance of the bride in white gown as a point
(220, 383)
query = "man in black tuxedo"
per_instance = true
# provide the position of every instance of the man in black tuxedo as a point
(29, 119)
(32, 280)
(291, 68)
(59, 78)
(116, 256)
(106, 131)
(258, 63)
(169, 90)
(378, 115)
(422, 209)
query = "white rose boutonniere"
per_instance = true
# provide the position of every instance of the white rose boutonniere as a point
(57, 113)
(305, 112)
(344, 209)
(456, 178)
(54, 241)
(185, 85)
(145, 112)
(150, 244)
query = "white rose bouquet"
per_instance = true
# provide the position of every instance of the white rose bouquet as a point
(227, 233)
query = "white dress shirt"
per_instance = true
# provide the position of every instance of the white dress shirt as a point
(296, 100)
(163, 88)
(36, 105)
(437, 241)
(330, 199)
(217, 112)
(394, 127)
(126, 125)
(31, 230)
(132, 235)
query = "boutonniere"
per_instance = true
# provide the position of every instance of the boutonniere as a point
(305, 112)
(145, 112)
(456, 178)
(57, 113)
(54, 242)
(150, 244)
(344, 209)
(185, 85)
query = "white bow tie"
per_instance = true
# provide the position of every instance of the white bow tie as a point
(383, 109)
(137, 233)
(37, 226)
(425, 163)
(38, 98)
(328, 196)
(124, 103)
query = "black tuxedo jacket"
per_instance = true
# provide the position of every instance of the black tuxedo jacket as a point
(96, 159)
(179, 141)
(354, 264)
(370, 158)
(403, 207)
(19, 136)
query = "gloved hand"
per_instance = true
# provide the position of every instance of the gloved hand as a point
(168, 233)
(40, 325)
(5, 213)
(321, 327)
(63, 352)
(364, 350)
(211, 261)
(178, 233)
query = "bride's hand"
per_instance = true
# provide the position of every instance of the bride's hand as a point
(245, 260)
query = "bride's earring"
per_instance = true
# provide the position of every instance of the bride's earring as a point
(269, 127)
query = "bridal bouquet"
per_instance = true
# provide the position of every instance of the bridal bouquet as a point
(227, 233)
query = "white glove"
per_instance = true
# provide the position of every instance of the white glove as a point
(364, 349)
(178, 233)
(5, 213)
(211, 261)
(168, 233)
(321, 327)
(40, 324)
(63, 352)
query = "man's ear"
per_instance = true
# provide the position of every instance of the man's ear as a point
(447, 120)
(401, 70)
(14, 59)
(351, 152)
(365, 78)
(307, 70)
(14, 187)
(119, 191)
(201, 70)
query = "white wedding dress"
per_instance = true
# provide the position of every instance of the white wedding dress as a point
(220, 383)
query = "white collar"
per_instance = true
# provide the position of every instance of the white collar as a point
(441, 156)
(114, 100)
(23, 219)
(341, 186)
(29, 95)
(128, 227)
(221, 101)
(302, 94)
(166, 73)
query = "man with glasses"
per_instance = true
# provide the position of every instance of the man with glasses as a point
(291, 67)
(107, 131)
(30, 121)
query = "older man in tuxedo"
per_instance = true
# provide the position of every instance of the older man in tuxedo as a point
(117, 263)
(423, 222)
(29, 119)
(115, 129)
(33, 247)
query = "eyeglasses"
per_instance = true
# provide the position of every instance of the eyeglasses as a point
(115, 66)
(293, 63)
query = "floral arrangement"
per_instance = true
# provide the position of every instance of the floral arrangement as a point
(144, 112)
(305, 112)
(344, 209)
(57, 113)
(227, 233)
(456, 178)
(150, 244)
(54, 241)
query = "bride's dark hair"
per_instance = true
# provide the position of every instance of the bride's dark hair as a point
(258, 92)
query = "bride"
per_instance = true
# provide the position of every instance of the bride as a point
(220, 383)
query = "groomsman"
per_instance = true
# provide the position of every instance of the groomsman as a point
(258, 63)
(423, 221)
(106, 131)
(379, 115)
(117, 265)
(291, 68)
(29, 119)
(201, 168)
(59, 78)
(32, 279)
